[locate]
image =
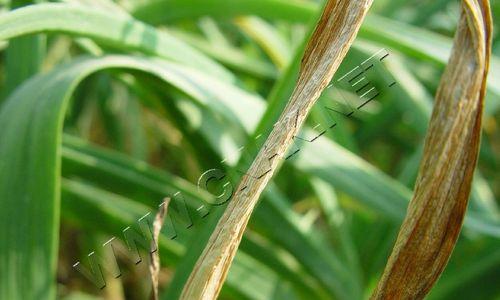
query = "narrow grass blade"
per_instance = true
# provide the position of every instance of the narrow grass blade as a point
(267, 38)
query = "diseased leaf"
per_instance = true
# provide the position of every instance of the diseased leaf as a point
(324, 53)
(435, 214)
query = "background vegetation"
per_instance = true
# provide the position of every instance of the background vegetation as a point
(107, 107)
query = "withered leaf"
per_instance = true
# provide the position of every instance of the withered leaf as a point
(326, 49)
(436, 212)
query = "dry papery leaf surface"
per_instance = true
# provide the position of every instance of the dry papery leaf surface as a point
(436, 212)
(328, 46)
(154, 267)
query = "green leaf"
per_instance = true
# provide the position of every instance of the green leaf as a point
(161, 11)
(267, 38)
(122, 32)
(480, 259)
(126, 176)
(231, 57)
(410, 40)
(360, 179)
(137, 179)
(28, 50)
(30, 178)
(92, 208)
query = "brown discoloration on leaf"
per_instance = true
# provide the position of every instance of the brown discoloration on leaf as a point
(328, 46)
(435, 214)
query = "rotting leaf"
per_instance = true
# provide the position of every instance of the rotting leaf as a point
(435, 214)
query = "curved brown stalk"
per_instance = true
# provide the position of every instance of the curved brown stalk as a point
(435, 214)
(328, 46)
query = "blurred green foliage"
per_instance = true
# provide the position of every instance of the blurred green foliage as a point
(107, 107)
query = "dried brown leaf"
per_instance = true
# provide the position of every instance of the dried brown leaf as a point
(327, 48)
(154, 267)
(436, 212)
